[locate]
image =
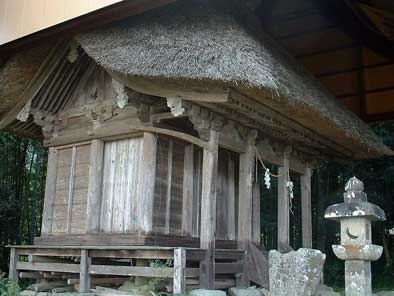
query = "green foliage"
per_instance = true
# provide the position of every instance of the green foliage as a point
(22, 179)
(7, 287)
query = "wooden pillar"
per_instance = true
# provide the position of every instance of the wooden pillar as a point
(50, 188)
(187, 203)
(208, 211)
(179, 271)
(283, 206)
(84, 276)
(246, 165)
(13, 272)
(306, 208)
(170, 157)
(231, 220)
(256, 226)
(146, 183)
(95, 186)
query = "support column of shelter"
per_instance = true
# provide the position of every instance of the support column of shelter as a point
(245, 204)
(284, 204)
(306, 208)
(208, 211)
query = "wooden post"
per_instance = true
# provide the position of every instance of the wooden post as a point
(306, 208)
(50, 188)
(13, 272)
(231, 220)
(256, 226)
(283, 206)
(187, 203)
(179, 271)
(95, 186)
(146, 183)
(246, 165)
(208, 211)
(170, 157)
(84, 276)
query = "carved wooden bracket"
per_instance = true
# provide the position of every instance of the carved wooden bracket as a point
(45, 121)
(204, 120)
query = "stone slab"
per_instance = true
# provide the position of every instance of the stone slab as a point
(296, 273)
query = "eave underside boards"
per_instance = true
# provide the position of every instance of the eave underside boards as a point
(276, 126)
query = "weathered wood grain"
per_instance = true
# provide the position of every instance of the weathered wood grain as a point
(84, 276)
(146, 182)
(246, 164)
(231, 218)
(50, 190)
(13, 273)
(169, 187)
(256, 223)
(187, 203)
(283, 208)
(208, 211)
(306, 208)
(95, 186)
(179, 271)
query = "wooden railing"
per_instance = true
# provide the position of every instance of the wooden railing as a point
(50, 259)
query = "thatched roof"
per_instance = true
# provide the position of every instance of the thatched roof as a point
(16, 72)
(197, 40)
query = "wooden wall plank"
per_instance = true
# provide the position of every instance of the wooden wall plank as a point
(95, 186)
(134, 154)
(108, 184)
(146, 182)
(50, 190)
(71, 189)
(120, 185)
(118, 210)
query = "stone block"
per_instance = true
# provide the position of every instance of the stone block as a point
(203, 292)
(296, 273)
(251, 291)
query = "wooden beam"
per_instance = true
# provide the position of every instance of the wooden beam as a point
(84, 277)
(283, 206)
(109, 130)
(246, 165)
(179, 271)
(50, 189)
(187, 203)
(208, 211)
(139, 271)
(55, 267)
(146, 183)
(306, 208)
(95, 186)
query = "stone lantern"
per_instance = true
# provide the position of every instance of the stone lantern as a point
(356, 248)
